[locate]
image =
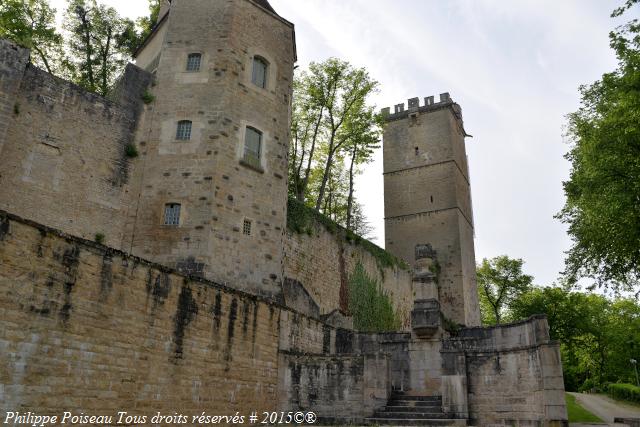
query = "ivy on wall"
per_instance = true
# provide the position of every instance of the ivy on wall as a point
(302, 219)
(369, 304)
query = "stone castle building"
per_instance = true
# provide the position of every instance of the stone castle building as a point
(146, 262)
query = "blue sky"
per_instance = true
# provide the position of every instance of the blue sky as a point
(514, 66)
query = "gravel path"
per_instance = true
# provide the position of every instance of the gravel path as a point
(605, 408)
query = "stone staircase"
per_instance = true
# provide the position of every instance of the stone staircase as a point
(408, 410)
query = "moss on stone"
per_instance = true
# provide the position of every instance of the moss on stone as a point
(303, 219)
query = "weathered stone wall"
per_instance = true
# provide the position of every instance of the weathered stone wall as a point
(87, 328)
(324, 261)
(62, 149)
(510, 374)
(13, 61)
(339, 387)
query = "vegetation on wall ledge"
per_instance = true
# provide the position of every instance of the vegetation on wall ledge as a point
(369, 304)
(302, 219)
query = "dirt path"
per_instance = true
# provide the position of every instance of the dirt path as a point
(606, 408)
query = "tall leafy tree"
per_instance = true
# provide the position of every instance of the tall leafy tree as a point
(31, 23)
(344, 97)
(364, 128)
(602, 206)
(99, 43)
(500, 281)
(334, 132)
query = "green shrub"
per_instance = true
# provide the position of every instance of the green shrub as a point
(147, 97)
(131, 151)
(628, 392)
(99, 238)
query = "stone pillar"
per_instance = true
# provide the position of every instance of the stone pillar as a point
(425, 316)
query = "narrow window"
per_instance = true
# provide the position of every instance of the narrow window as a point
(416, 151)
(431, 199)
(259, 74)
(184, 130)
(252, 146)
(172, 214)
(193, 62)
(246, 227)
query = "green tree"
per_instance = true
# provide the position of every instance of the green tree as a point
(31, 23)
(602, 206)
(146, 23)
(500, 282)
(99, 43)
(598, 336)
(364, 128)
(334, 132)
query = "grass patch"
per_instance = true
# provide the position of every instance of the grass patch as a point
(577, 414)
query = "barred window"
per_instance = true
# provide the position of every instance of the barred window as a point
(252, 146)
(193, 62)
(184, 130)
(246, 227)
(172, 214)
(259, 73)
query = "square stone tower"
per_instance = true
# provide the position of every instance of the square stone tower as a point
(210, 190)
(427, 198)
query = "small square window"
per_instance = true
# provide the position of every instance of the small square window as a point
(246, 227)
(193, 62)
(172, 214)
(184, 130)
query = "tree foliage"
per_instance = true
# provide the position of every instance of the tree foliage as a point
(334, 133)
(99, 42)
(598, 336)
(500, 282)
(602, 206)
(31, 24)
(92, 50)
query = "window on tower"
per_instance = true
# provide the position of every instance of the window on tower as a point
(259, 72)
(193, 62)
(183, 131)
(172, 214)
(252, 146)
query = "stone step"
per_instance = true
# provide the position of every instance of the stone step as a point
(416, 422)
(411, 415)
(412, 408)
(404, 396)
(395, 402)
